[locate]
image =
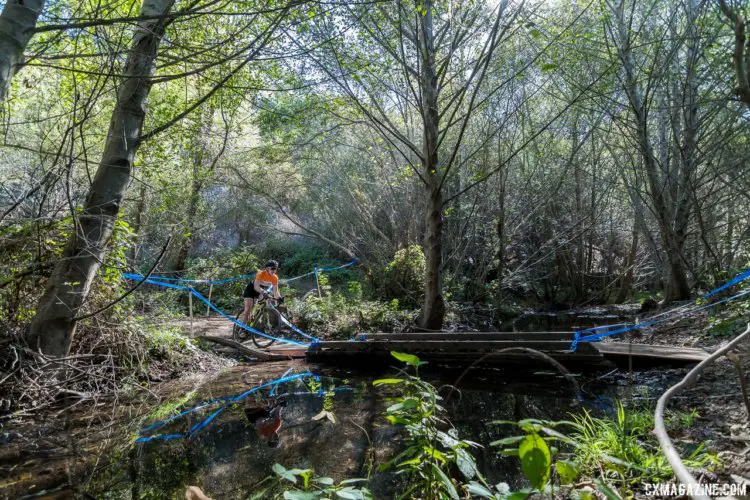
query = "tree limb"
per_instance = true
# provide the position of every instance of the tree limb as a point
(680, 471)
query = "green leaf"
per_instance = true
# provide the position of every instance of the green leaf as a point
(507, 441)
(350, 493)
(301, 495)
(549, 66)
(567, 470)
(585, 494)
(284, 473)
(446, 481)
(396, 420)
(606, 490)
(519, 495)
(409, 359)
(535, 460)
(435, 453)
(530, 425)
(353, 481)
(387, 381)
(476, 489)
(535, 33)
(395, 407)
(323, 480)
(466, 464)
(504, 422)
(413, 461)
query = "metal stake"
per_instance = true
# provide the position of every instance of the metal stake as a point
(190, 305)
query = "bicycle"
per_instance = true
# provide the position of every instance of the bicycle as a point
(263, 318)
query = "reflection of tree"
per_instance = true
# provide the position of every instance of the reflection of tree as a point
(168, 468)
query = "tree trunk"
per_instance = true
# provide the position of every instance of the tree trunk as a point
(501, 220)
(433, 309)
(627, 280)
(671, 213)
(52, 328)
(140, 212)
(17, 22)
(200, 146)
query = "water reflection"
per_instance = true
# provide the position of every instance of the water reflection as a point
(281, 423)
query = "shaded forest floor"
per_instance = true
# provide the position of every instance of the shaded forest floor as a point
(72, 438)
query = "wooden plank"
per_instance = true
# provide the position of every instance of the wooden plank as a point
(454, 346)
(469, 355)
(250, 351)
(468, 336)
(572, 361)
(651, 351)
(294, 351)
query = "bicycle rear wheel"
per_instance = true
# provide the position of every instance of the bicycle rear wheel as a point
(268, 322)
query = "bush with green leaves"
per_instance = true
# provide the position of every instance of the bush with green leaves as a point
(303, 484)
(433, 449)
(627, 437)
(341, 314)
(615, 452)
(403, 277)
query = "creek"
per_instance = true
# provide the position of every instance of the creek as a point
(229, 456)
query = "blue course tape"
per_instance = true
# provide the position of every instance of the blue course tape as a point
(292, 327)
(249, 328)
(236, 278)
(203, 299)
(669, 315)
(740, 277)
(203, 423)
(276, 386)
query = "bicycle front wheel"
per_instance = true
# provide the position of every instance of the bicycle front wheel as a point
(268, 322)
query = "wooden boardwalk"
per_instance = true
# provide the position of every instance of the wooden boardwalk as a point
(511, 348)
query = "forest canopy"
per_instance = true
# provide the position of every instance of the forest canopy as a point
(536, 152)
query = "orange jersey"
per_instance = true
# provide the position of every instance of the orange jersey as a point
(265, 278)
(267, 426)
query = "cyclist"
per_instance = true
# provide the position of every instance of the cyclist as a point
(264, 278)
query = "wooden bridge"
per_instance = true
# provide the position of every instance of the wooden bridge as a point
(507, 348)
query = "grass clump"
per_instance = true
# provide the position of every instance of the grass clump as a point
(627, 437)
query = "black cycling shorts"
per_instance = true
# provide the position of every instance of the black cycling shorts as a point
(250, 292)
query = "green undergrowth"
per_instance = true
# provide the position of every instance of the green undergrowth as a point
(627, 436)
(615, 452)
(341, 315)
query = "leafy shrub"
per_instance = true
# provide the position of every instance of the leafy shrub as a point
(610, 450)
(403, 278)
(431, 454)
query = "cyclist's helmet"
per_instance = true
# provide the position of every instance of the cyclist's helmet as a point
(272, 264)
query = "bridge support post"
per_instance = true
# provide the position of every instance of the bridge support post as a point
(208, 308)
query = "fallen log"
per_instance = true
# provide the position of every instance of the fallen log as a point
(256, 353)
